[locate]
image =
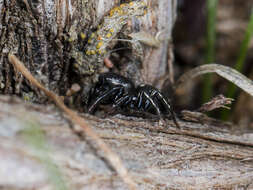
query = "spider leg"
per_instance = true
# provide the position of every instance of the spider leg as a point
(147, 104)
(121, 90)
(128, 100)
(148, 100)
(163, 101)
(168, 108)
(102, 97)
(140, 97)
(123, 100)
(154, 104)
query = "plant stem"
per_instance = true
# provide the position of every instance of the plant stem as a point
(240, 62)
(210, 38)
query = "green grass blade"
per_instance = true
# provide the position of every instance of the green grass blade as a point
(240, 62)
(210, 51)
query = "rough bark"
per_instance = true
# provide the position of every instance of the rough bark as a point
(42, 34)
(49, 37)
(157, 155)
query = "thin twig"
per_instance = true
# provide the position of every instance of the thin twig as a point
(111, 157)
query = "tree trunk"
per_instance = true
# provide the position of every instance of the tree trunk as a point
(53, 38)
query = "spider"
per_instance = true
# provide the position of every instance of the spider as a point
(120, 92)
(110, 88)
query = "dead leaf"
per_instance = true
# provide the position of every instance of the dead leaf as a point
(146, 38)
(226, 72)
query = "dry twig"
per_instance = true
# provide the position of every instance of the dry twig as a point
(111, 157)
(216, 102)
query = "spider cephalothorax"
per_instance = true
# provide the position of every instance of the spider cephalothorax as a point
(120, 92)
(111, 88)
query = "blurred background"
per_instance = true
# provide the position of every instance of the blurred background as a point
(219, 32)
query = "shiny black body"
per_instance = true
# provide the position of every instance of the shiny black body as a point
(151, 100)
(121, 93)
(110, 89)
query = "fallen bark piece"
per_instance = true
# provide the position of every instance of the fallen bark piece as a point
(157, 155)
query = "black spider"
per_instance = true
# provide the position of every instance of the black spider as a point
(121, 93)
(109, 89)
